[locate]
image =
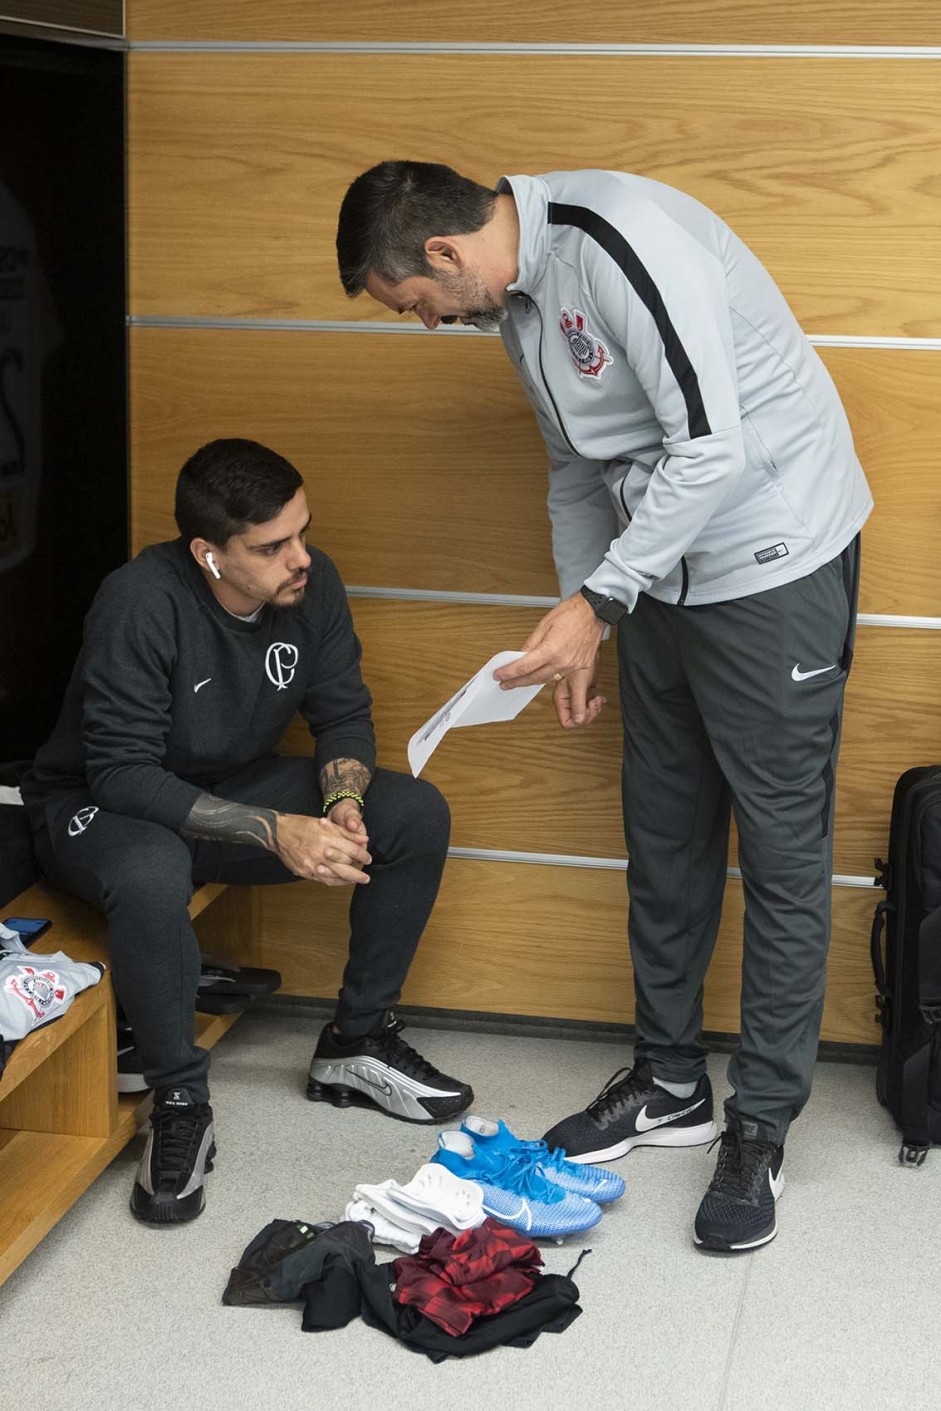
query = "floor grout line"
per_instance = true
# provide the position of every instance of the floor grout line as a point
(727, 1372)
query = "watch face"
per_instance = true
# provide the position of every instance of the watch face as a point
(608, 609)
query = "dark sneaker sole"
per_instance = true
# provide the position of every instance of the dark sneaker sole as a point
(247, 980)
(339, 1096)
(163, 1213)
(209, 1003)
(715, 1244)
(659, 1136)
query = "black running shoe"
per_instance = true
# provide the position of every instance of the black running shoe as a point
(738, 1210)
(180, 1147)
(381, 1070)
(633, 1111)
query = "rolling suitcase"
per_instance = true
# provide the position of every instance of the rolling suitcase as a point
(906, 958)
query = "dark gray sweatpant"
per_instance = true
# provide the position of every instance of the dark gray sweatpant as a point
(735, 707)
(141, 875)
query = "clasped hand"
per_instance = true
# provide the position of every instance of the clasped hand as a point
(329, 850)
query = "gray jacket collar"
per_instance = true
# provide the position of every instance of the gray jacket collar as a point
(531, 195)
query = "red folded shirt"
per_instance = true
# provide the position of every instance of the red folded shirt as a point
(455, 1279)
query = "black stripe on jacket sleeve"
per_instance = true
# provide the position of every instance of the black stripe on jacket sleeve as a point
(627, 260)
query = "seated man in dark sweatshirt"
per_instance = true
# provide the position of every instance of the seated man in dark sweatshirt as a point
(162, 771)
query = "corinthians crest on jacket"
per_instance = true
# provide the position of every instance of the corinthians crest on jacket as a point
(589, 354)
(40, 990)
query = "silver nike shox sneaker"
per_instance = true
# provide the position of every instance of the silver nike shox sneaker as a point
(170, 1185)
(632, 1110)
(381, 1070)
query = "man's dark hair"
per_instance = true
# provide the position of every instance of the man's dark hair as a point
(391, 210)
(229, 484)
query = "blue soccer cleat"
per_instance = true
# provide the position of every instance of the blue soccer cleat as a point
(593, 1182)
(515, 1191)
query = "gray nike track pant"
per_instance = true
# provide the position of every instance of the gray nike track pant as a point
(735, 707)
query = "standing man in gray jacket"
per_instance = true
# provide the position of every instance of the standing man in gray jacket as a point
(706, 501)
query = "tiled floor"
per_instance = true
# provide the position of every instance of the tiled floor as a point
(842, 1311)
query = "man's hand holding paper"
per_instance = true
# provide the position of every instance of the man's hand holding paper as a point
(563, 648)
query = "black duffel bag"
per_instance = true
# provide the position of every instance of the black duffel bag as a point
(906, 958)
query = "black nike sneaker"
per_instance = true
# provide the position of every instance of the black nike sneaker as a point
(170, 1185)
(383, 1071)
(633, 1111)
(738, 1210)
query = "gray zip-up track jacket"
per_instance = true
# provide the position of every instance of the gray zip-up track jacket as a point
(698, 448)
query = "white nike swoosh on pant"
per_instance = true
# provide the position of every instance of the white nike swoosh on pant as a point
(644, 1123)
(201, 683)
(798, 675)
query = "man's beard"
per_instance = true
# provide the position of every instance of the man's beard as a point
(484, 319)
(290, 594)
(483, 312)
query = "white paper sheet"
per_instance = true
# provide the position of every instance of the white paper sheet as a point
(480, 701)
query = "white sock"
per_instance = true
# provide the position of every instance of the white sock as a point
(680, 1090)
(385, 1231)
(436, 1192)
(382, 1198)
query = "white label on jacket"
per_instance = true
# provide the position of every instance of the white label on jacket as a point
(776, 551)
(589, 354)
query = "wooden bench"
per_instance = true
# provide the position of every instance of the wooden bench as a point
(62, 1119)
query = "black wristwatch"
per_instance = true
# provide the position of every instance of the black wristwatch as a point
(610, 610)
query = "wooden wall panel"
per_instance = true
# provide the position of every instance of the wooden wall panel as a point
(447, 469)
(509, 938)
(423, 463)
(527, 786)
(892, 398)
(544, 21)
(421, 458)
(892, 722)
(238, 165)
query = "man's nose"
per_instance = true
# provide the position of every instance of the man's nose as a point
(300, 559)
(430, 320)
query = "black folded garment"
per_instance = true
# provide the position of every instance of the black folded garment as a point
(225, 989)
(334, 1270)
(549, 1308)
(280, 1260)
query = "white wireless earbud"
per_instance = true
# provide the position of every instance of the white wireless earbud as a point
(211, 565)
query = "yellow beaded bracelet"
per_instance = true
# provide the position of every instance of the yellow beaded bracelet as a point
(339, 794)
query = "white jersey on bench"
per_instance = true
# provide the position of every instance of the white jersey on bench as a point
(35, 989)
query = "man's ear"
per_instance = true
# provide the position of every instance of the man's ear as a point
(444, 253)
(199, 549)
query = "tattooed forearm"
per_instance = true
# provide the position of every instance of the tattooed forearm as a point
(344, 774)
(219, 821)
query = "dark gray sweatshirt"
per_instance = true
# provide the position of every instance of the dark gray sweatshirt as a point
(171, 694)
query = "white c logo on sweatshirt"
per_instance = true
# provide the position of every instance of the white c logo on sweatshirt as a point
(280, 664)
(81, 820)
